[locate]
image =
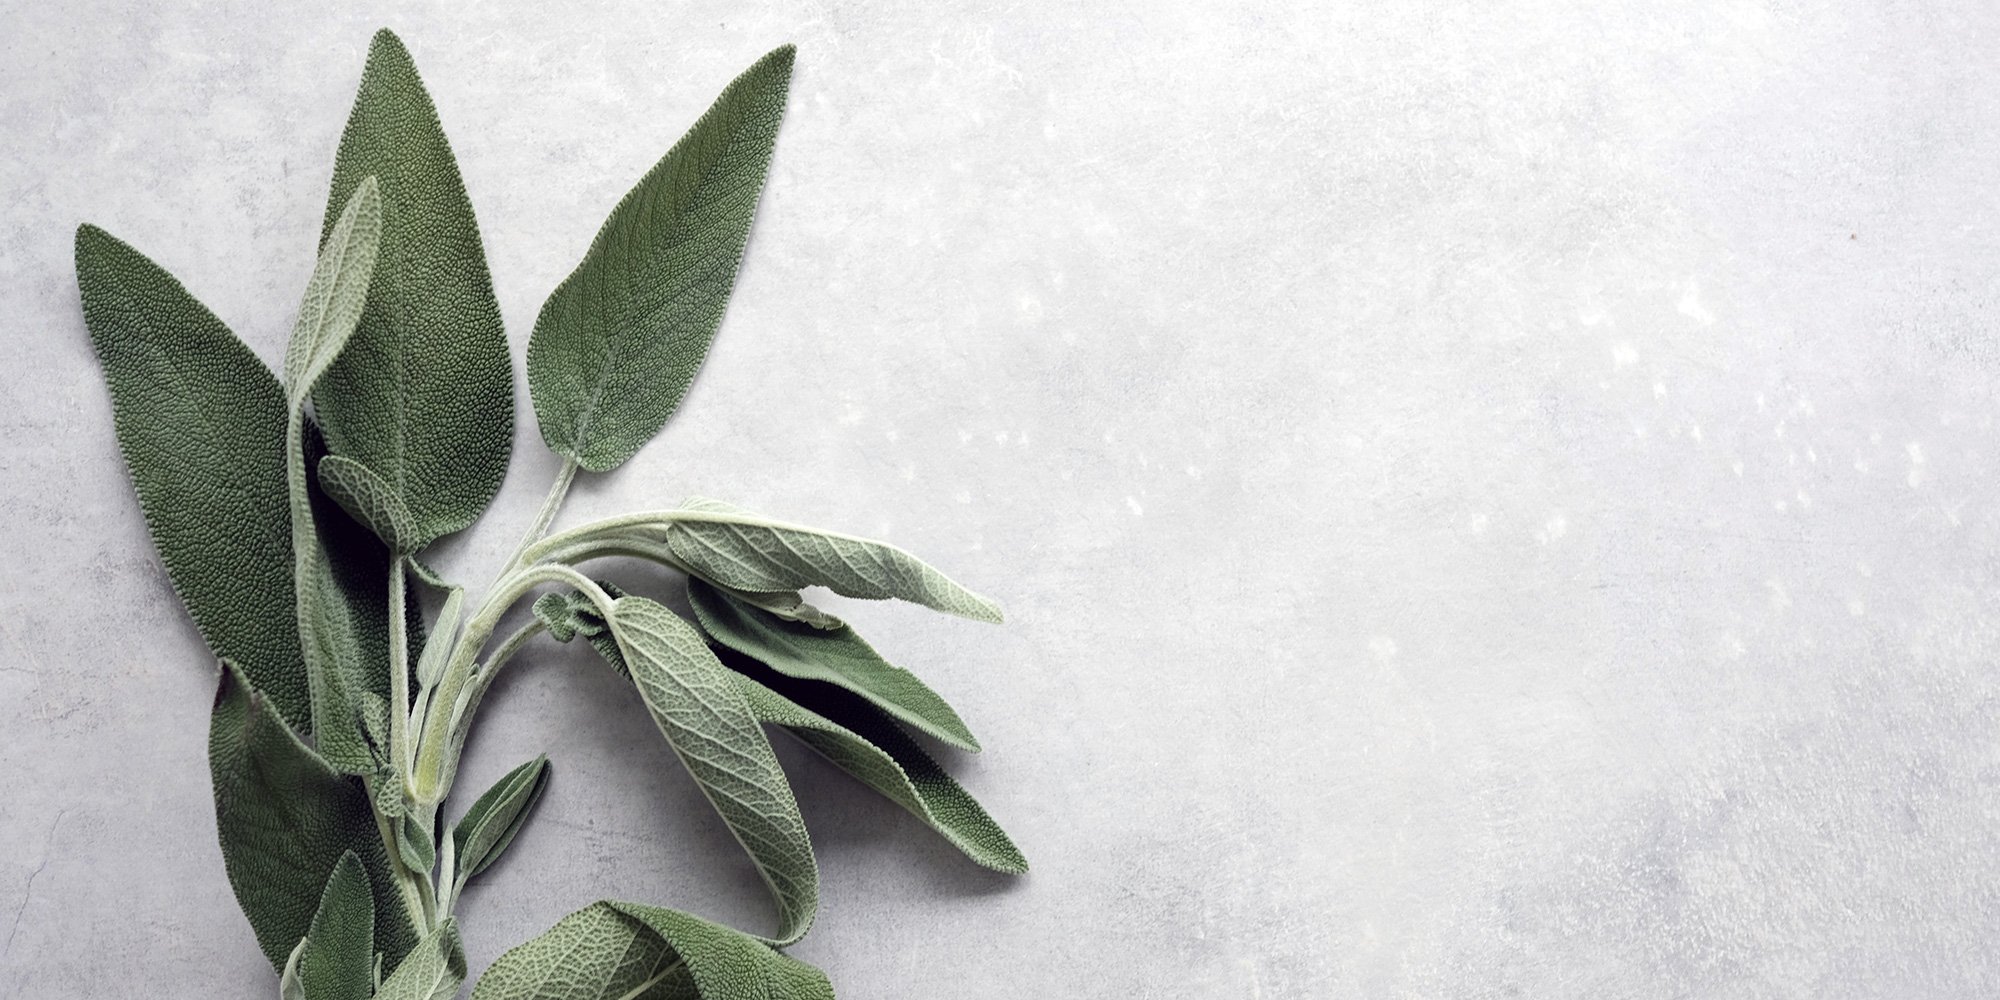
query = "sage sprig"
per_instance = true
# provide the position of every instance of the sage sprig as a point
(291, 512)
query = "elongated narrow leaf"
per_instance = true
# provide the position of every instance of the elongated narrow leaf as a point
(626, 951)
(433, 970)
(339, 958)
(839, 657)
(486, 829)
(370, 500)
(706, 721)
(285, 819)
(337, 292)
(619, 341)
(867, 744)
(201, 423)
(424, 395)
(732, 547)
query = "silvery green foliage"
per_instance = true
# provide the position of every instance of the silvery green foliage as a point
(291, 511)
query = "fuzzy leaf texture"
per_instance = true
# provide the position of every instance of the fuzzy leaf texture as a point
(423, 397)
(618, 342)
(483, 833)
(285, 819)
(338, 962)
(625, 951)
(201, 423)
(699, 709)
(433, 970)
(837, 656)
(867, 744)
(727, 545)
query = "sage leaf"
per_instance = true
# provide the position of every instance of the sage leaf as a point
(370, 500)
(484, 832)
(424, 394)
(201, 423)
(867, 744)
(289, 985)
(285, 819)
(413, 837)
(618, 342)
(732, 547)
(626, 951)
(786, 604)
(433, 970)
(839, 657)
(337, 292)
(711, 729)
(568, 614)
(339, 958)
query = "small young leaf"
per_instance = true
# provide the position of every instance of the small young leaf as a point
(285, 819)
(839, 657)
(568, 614)
(869, 746)
(619, 341)
(424, 396)
(486, 829)
(413, 839)
(369, 499)
(625, 951)
(339, 958)
(710, 727)
(734, 548)
(433, 970)
(289, 985)
(336, 293)
(201, 423)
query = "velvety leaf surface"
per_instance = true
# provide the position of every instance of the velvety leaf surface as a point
(837, 656)
(738, 549)
(484, 832)
(433, 970)
(370, 500)
(339, 958)
(201, 423)
(424, 394)
(698, 707)
(285, 819)
(867, 744)
(626, 951)
(618, 342)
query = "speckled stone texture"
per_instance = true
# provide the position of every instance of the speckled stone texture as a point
(1492, 499)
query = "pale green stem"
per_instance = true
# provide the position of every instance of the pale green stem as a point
(547, 515)
(399, 674)
(432, 746)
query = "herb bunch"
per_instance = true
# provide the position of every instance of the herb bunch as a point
(292, 512)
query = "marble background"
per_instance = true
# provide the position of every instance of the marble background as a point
(1492, 499)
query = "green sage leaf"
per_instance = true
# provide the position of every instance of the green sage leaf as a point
(339, 958)
(711, 729)
(337, 292)
(625, 951)
(484, 832)
(867, 744)
(423, 397)
(567, 614)
(618, 342)
(433, 970)
(289, 985)
(285, 819)
(839, 657)
(729, 546)
(201, 423)
(370, 500)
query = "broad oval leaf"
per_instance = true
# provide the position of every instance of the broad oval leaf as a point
(201, 423)
(285, 819)
(483, 833)
(370, 500)
(433, 970)
(838, 656)
(711, 729)
(734, 548)
(626, 951)
(339, 958)
(618, 342)
(867, 744)
(337, 292)
(424, 395)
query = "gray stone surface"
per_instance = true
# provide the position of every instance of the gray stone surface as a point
(1492, 499)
